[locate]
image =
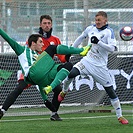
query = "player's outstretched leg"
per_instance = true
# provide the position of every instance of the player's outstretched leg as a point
(54, 115)
(60, 76)
(65, 89)
(116, 104)
(62, 49)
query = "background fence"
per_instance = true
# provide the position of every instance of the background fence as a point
(120, 66)
(21, 18)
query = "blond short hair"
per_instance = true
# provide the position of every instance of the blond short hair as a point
(101, 13)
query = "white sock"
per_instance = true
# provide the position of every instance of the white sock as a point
(53, 113)
(116, 104)
(3, 111)
(66, 84)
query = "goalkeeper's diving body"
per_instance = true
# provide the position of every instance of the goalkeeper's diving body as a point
(95, 62)
(41, 69)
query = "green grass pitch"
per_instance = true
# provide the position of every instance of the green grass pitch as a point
(72, 123)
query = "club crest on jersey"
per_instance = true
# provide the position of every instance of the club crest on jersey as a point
(52, 43)
(107, 82)
(102, 36)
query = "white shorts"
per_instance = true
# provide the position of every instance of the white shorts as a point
(99, 74)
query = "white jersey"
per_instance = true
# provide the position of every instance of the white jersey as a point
(98, 55)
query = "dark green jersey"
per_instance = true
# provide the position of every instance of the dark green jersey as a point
(27, 57)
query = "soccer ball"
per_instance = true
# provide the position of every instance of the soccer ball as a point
(126, 33)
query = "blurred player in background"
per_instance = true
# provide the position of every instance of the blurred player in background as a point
(45, 30)
(95, 63)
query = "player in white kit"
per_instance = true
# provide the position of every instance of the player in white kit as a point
(95, 62)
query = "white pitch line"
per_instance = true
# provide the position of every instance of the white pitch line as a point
(70, 118)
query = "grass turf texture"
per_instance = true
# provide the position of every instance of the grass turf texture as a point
(73, 123)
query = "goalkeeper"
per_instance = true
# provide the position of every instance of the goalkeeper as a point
(41, 69)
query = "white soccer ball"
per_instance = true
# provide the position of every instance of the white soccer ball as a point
(126, 33)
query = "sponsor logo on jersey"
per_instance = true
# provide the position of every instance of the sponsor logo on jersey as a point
(52, 43)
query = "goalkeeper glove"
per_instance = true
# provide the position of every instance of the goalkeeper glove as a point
(94, 40)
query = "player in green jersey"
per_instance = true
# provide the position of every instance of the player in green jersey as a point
(41, 69)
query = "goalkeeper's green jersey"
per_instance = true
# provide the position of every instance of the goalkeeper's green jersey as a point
(27, 57)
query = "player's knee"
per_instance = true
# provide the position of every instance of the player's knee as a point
(51, 50)
(111, 92)
(57, 89)
(22, 84)
(20, 87)
(68, 66)
(73, 73)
